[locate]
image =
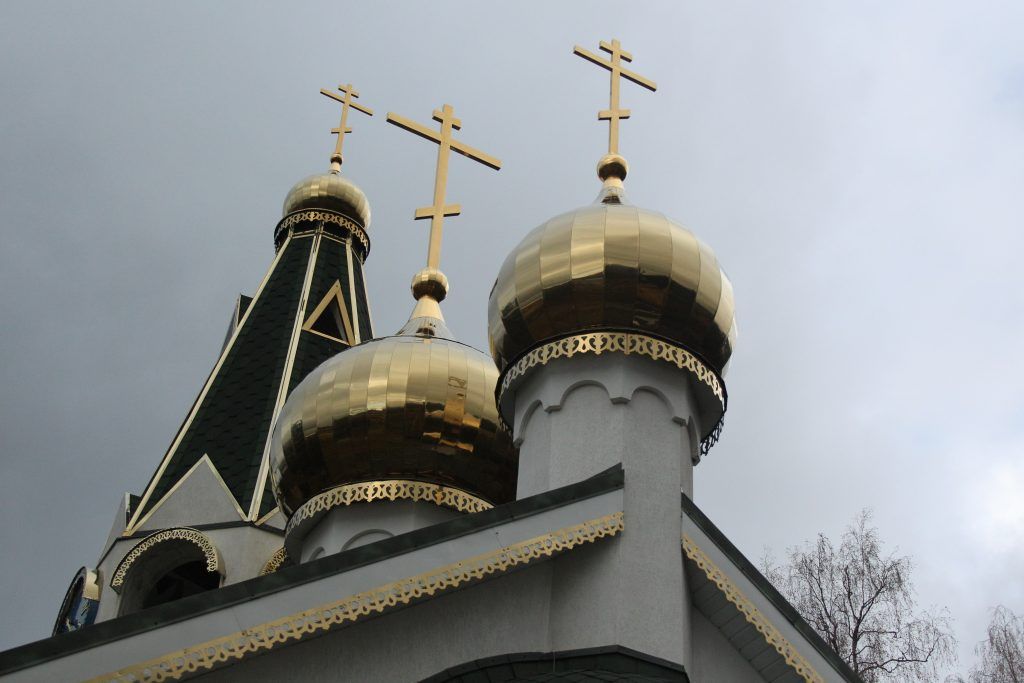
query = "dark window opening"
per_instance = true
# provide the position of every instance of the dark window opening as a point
(184, 580)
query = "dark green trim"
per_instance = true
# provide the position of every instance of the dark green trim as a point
(767, 589)
(289, 577)
(569, 665)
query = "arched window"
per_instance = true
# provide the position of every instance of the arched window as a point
(166, 566)
(80, 602)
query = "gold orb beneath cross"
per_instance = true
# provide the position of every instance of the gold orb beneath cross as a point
(430, 282)
(612, 166)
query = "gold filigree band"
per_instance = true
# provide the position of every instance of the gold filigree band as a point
(626, 343)
(180, 534)
(350, 226)
(753, 615)
(389, 489)
(275, 562)
(317, 620)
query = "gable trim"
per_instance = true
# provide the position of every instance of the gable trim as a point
(286, 380)
(754, 616)
(333, 296)
(315, 621)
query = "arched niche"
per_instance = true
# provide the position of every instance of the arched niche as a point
(81, 602)
(166, 566)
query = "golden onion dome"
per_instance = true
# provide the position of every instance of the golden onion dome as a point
(613, 267)
(332, 192)
(417, 407)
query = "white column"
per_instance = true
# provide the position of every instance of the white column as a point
(575, 417)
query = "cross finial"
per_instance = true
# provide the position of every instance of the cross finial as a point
(443, 138)
(346, 102)
(613, 114)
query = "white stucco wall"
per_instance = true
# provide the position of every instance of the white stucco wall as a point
(355, 525)
(714, 657)
(200, 498)
(492, 618)
(576, 418)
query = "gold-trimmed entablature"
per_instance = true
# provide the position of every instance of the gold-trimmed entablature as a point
(309, 513)
(310, 221)
(411, 407)
(331, 192)
(708, 389)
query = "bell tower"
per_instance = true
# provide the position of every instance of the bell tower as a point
(207, 517)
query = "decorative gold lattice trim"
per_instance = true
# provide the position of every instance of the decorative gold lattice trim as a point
(275, 562)
(291, 220)
(753, 615)
(628, 343)
(182, 534)
(266, 636)
(389, 489)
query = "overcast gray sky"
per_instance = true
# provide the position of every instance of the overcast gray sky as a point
(857, 167)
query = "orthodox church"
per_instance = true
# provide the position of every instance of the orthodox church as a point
(347, 504)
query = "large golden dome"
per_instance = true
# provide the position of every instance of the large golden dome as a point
(612, 277)
(614, 267)
(331, 191)
(415, 407)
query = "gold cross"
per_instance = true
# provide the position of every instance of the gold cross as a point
(613, 114)
(346, 102)
(445, 144)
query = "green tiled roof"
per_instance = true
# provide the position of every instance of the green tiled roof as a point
(233, 420)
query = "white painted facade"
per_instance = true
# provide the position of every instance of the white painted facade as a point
(578, 416)
(357, 525)
(243, 548)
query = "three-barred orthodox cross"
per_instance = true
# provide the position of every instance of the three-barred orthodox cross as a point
(346, 102)
(445, 144)
(613, 114)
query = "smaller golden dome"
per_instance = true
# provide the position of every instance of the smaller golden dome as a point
(417, 407)
(331, 192)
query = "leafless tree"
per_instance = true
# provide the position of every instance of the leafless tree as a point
(861, 601)
(1001, 654)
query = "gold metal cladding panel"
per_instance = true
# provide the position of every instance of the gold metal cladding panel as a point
(628, 269)
(655, 277)
(621, 256)
(587, 257)
(529, 296)
(753, 615)
(556, 268)
(311, 622)
(392, 490)
(406, 407)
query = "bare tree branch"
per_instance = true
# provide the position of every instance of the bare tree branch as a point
(1001, 654)
(861, 600)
